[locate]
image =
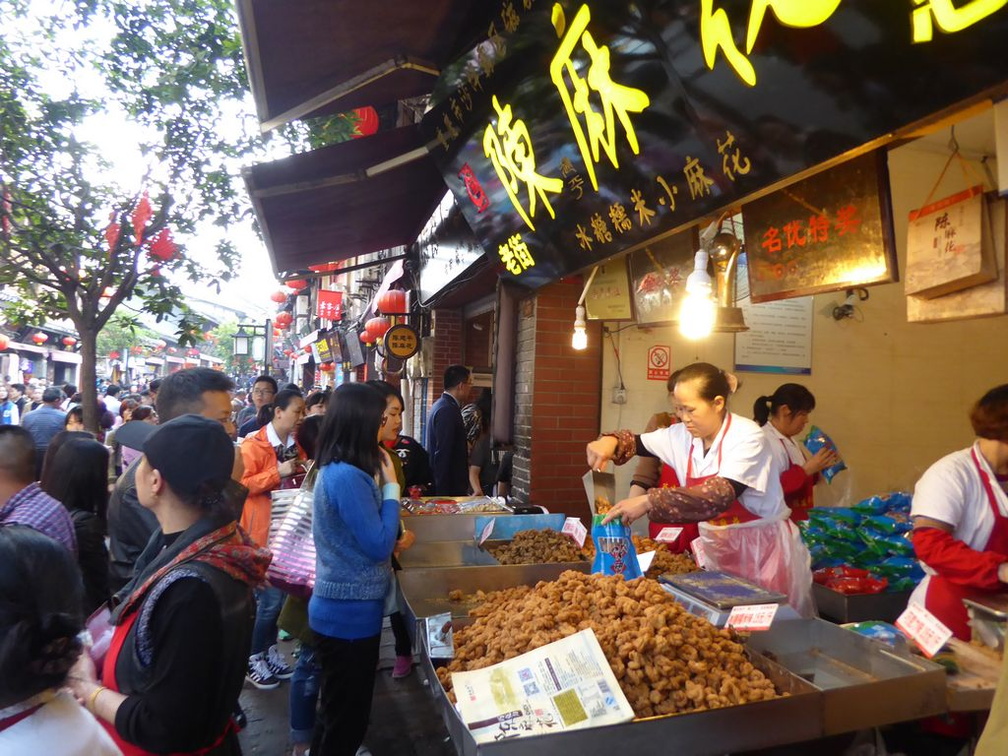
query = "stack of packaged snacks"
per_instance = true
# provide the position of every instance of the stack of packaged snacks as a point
(855, 548)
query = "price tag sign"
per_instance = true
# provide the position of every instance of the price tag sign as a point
(699, 555)
(645, 559)
(668, 535)
(572, 526)
(752, 617)
(440, 636)
(926, 630)
(487, 530)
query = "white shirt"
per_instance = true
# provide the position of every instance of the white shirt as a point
(952, 492)
(784, 449)
(744, 453)
(111, 404)
(61, 726)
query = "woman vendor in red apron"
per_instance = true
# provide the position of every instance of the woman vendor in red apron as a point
(783, 416)
(731, 486)
(175, 666)
(960, 518)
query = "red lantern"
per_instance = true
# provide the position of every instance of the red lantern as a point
(377, 327)
(69, 341)
(4, 342)
(327, 367)
(172, 350)
(364, 337)
(276, 333)
(279, 296)
(162, 246)
(367, 121)
(329, 267)
(113, 355)
(283, 319)
(298, 285)
(392, 301)
(288, 352)
(40, 338)
(136, 349)
(193, 352)
(160, 345)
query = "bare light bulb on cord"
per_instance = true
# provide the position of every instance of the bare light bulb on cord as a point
(698, 311)
(579, 340)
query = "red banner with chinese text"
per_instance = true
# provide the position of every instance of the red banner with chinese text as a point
(330, 305)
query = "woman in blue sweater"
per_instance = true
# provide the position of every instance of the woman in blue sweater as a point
(355, 525)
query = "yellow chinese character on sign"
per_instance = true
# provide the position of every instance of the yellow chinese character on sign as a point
(509, 17)
(644, 213)
(456, 109)
(449, 125)
(949, 18)
(473, 77)
(670, 192)
(616, 100)
(733, 161)
(618, 216)
(696, 178)
(600, 228)
(515, 255)
(510, 150)
(486, 62)
(499, 45)
(716, 32)
(576, 184)
(566, 167)
(584, 241)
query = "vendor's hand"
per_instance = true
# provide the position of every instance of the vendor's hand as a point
(387, 468)
(289, 468)
(600, 451)
(629, 510)
(1003, 572)
(822, 459)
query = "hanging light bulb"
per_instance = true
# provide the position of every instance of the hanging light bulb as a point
(696, 318)
(579, 340)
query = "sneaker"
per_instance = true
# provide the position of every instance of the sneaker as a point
(278, 665)
(403, 666)
(259, 673)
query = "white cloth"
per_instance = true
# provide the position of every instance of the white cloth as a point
(111, 404)
(785, 450)
(952, 492)
(743, 453)
(274, 438)
(61, 726)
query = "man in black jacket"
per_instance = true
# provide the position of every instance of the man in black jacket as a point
(446, 435)
(199, 391)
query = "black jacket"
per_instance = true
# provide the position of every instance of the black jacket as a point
(129, 527)
(446, 445)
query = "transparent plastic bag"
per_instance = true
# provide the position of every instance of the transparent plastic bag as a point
(768, 552)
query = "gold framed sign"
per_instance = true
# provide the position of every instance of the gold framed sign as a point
(829, 232)
(609, 295)
(658, 276)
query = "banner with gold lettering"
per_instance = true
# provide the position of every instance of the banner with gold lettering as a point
(578, 130)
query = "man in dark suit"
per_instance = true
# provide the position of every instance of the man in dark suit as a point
(446, 435)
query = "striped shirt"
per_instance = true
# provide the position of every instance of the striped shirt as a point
(35, 508)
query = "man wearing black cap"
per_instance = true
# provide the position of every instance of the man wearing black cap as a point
(199, 391)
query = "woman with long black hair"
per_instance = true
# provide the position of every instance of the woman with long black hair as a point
(355, 524)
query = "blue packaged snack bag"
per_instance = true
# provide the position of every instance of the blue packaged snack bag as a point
(816, 440)
(614, 550)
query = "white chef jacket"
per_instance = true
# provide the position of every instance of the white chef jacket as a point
(745, 456)
(951, 491)
(784, 449)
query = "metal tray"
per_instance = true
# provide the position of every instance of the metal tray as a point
(873, 606)
(444, 554)
(445, 527)
(791, 719)
(424, 592)
(864, 683)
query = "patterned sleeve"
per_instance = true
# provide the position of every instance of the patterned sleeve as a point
(694, 504)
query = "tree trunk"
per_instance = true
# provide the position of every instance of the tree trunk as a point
(89, 376)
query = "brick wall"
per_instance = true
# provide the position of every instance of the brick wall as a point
(557, 393)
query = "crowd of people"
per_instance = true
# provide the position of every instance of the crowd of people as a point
(160, 519)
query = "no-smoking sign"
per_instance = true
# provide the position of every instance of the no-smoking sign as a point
(659, 361)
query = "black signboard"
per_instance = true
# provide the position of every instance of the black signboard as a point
(579, 130)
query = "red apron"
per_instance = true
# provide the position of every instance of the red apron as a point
(109, 681)
(944, 598)
(800, 501)
(690, 530)
(736, 513)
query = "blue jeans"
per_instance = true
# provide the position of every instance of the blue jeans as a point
(304, 690)
(264, 632)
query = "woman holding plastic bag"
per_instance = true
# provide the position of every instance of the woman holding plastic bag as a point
(732, 486)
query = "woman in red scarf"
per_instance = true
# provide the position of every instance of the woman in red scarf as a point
(183, 625)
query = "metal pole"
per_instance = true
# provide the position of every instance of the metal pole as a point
(268, 344)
